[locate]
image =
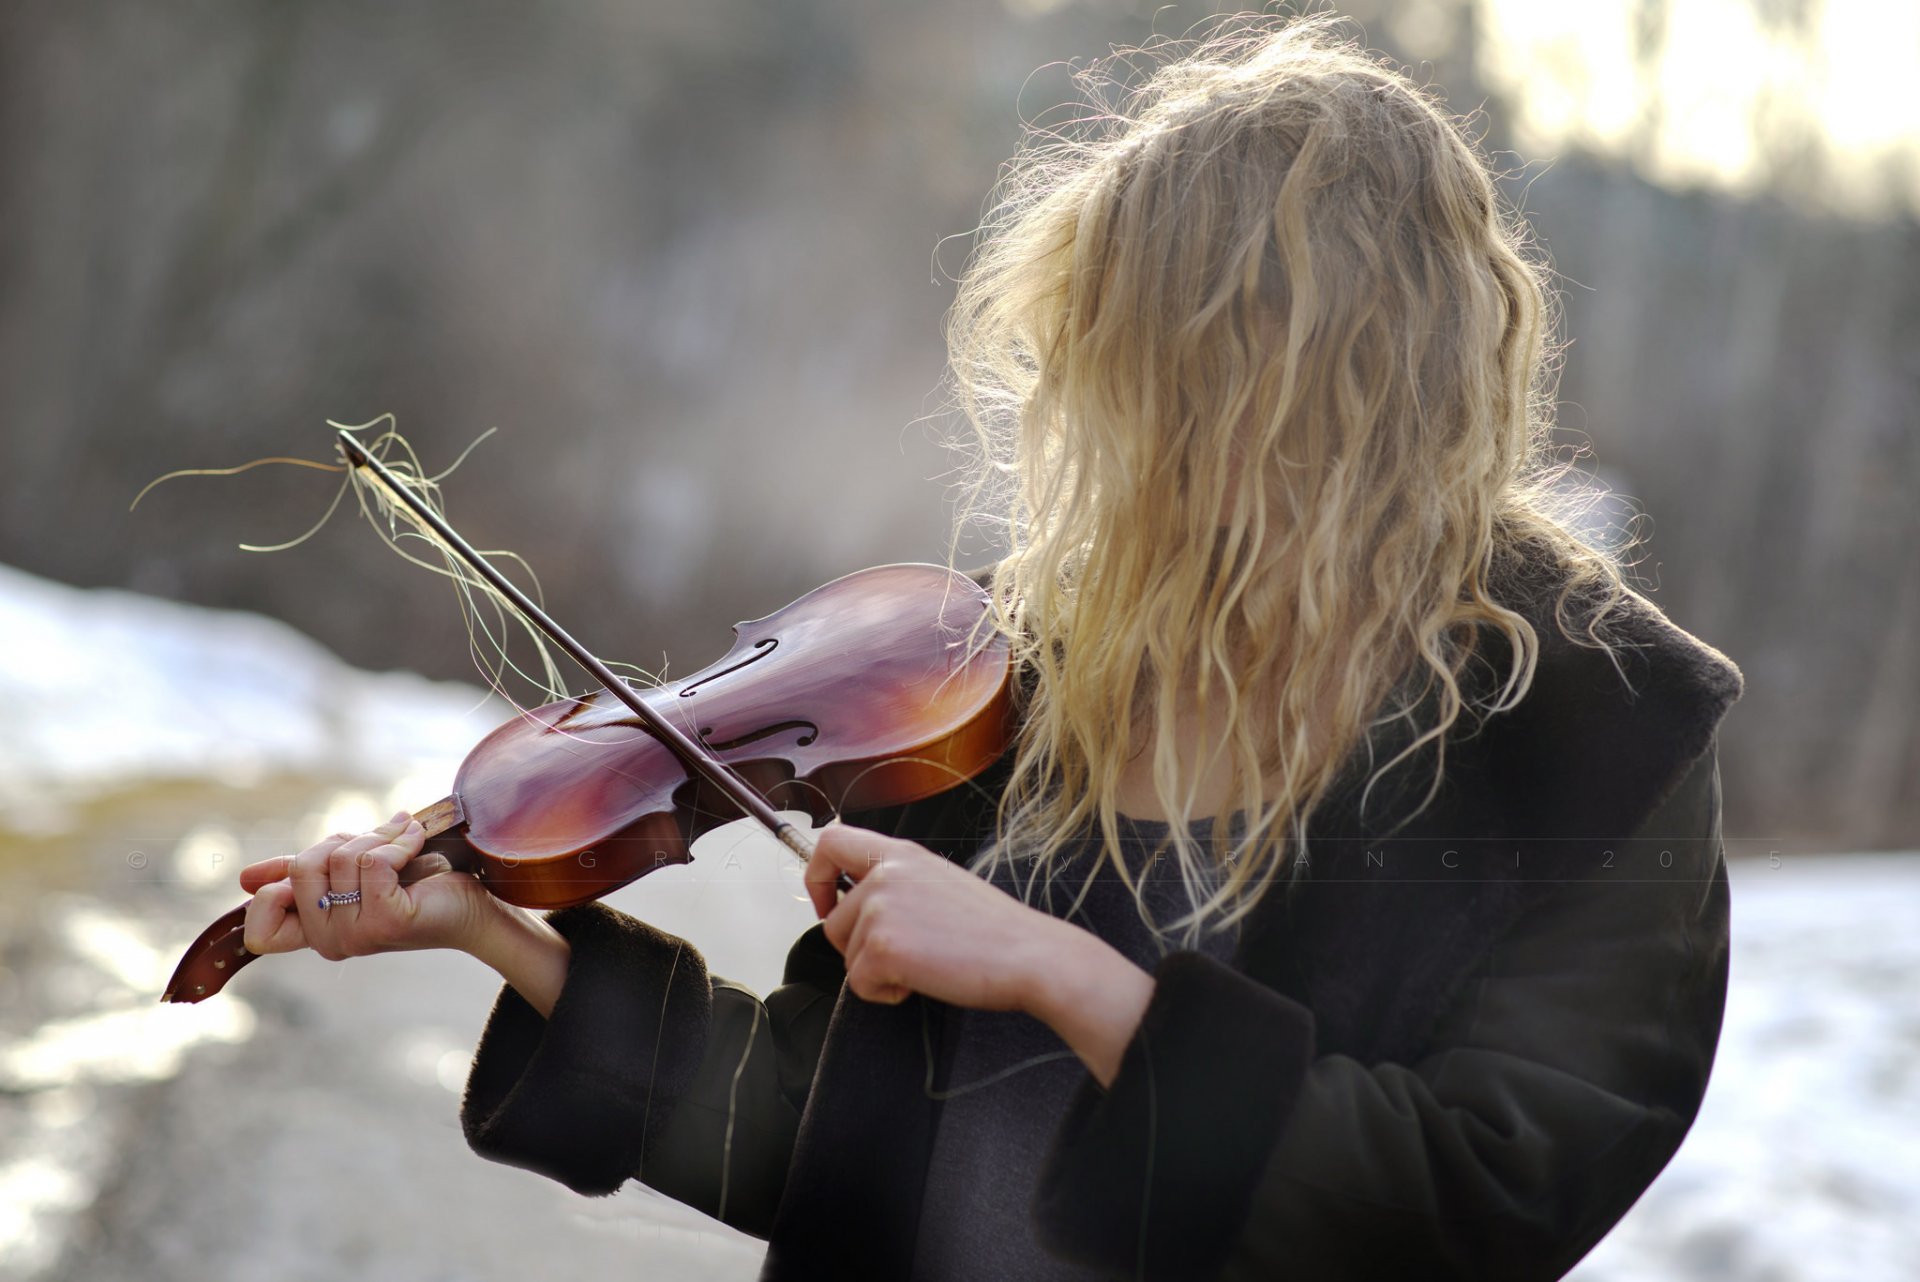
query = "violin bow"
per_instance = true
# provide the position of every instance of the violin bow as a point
(690, 751)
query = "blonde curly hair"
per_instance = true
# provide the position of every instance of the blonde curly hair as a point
(1259, 368)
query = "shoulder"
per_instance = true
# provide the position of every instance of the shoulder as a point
(1599, 739)
(1605, 736)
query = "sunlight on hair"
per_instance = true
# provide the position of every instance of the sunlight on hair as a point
(1260, 374)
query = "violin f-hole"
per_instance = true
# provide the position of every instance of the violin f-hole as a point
(812, 732)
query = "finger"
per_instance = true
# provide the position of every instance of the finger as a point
(839, 849)
(380, 886)
(352, 856)
(870, 947)
(860, 903)
(822, 874)
(400, 849)
(265, 872)
(276, 867)
(883, 994)
(350, 859)
(271, 924)
(421, 867)
(344, 867)
(319, 870)
(873, 966)
(307, 874)
(378, 853)
(840, 924)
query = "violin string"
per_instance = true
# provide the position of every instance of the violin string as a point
(1153, 1135)
(493, 672)
(230, 471)
(346, 483)
(733, 1109)
(451, 468)
(493, 658)
(659, 1032)
(392, 535)
(472, 619)
(294, 542)
(992, 1079)
(647, 680)
(409, 469)
(551, 682)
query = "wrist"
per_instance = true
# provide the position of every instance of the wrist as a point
(1042, 988)
(526, 951)
(502, 933)
(486, 931)
(1090, 994)
(1069, 966)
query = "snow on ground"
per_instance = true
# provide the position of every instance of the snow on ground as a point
(1803, 1166)
(147, 751)
(103, 690)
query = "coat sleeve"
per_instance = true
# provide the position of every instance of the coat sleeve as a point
(1557, 1085)
(650, 1068)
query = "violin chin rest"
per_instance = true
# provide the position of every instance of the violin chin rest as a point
(211, 959)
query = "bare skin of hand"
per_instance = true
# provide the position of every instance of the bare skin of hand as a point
(442, 910)
(917, 923)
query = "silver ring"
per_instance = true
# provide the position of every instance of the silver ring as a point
(333, 897)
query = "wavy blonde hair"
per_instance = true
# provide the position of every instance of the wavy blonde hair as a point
(1259, 369)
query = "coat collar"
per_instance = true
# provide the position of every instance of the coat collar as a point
(1599, 740)
(1392, 909)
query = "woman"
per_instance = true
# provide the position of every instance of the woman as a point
(1351, 902)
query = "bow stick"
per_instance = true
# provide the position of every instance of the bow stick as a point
(690, 751)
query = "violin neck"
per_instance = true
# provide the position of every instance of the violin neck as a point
(441, 816)
(445, 822)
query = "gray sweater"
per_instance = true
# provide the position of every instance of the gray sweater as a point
(1005, 1080)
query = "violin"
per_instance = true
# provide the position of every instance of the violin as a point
(880, 688)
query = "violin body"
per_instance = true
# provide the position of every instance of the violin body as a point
(882, 687)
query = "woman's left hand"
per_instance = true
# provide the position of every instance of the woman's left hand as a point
(916, 923)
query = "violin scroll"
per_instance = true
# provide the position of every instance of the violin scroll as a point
(220, 951)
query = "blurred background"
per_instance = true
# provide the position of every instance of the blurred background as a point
(691, 261)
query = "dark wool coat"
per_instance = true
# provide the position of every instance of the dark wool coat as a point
(1461, 1050)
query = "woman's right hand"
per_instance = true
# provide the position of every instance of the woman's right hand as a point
(441, 910)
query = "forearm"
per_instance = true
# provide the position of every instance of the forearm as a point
(527, 952)
(916, 923)
(582, 1091)
(1089, 994)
